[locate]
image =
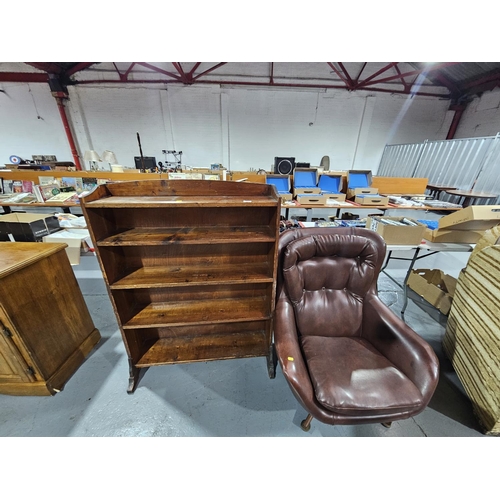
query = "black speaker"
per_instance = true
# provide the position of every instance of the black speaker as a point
(283, 165)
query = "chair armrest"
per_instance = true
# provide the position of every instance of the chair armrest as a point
(406, 350)
(289, 353)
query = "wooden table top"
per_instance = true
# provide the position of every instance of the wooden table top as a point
(471, 194)
(440, 187)
(16, 255)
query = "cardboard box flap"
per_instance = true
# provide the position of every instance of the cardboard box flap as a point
(330, 183)
(474, 217)
(281, 182)
(305, 177)
(359, 178)
(434, 286)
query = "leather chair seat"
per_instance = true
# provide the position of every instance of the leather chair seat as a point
(351, 377)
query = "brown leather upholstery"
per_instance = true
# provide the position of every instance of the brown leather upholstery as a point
(346, 356)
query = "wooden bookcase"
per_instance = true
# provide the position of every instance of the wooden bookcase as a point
(190, 267)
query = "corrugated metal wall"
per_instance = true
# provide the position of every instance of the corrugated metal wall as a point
(472, 163)
(400, 160)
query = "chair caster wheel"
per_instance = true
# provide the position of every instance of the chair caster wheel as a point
(387, 424)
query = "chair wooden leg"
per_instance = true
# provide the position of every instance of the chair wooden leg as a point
(306, 423)
(387, 424)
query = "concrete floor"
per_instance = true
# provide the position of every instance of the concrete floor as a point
(219, 398)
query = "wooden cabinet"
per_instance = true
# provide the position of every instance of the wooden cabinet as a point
(46, 330)
(190, 267)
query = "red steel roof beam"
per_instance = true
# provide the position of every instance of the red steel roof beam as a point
(483, 80)
(349, 79)
(360, 71)
(159, 70)
(379, 72)
(183, 75)
(412, 73)
(59, 96)
(209, 70)
(406, 85)
(340, 75)
(79, 67)
(193, 69)
(459, 111)
(47, 67)
(264, 84)
(8, 76)
(311, 86)
(123, 76)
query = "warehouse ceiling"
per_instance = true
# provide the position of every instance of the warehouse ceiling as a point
(458, 82)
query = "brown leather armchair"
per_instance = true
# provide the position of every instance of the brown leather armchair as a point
(346, 356)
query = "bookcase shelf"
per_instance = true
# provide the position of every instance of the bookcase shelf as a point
(198, 312)
(190, 267)
(193, 349)
(188, 235)
(172, 276)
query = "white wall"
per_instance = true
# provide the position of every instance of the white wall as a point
(30, 123)
(241, 128)
(481, 117)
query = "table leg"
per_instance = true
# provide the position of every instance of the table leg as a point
(387, 260)
(467, 201)
(405, 292)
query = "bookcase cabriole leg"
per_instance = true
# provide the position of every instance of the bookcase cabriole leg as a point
(135, 375)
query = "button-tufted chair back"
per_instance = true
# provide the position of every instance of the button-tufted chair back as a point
(325, 273)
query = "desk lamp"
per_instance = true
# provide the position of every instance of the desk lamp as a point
(92, 157)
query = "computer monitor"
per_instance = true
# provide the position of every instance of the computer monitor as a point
(149, 162)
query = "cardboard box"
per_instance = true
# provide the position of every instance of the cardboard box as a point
(308, 199)
(474, 217)
(359, 182)
(352, 193)
(452, 236)
(333, 197)
(396, 235)
(27, 226)
(211, 177)
(372, 199)
(305, 181)
(78, 241)
(331, 186)
(434, 286)
(282, 185)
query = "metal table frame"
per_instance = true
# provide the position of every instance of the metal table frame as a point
(430, 249)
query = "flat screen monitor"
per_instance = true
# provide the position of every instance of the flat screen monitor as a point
(149, 162)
